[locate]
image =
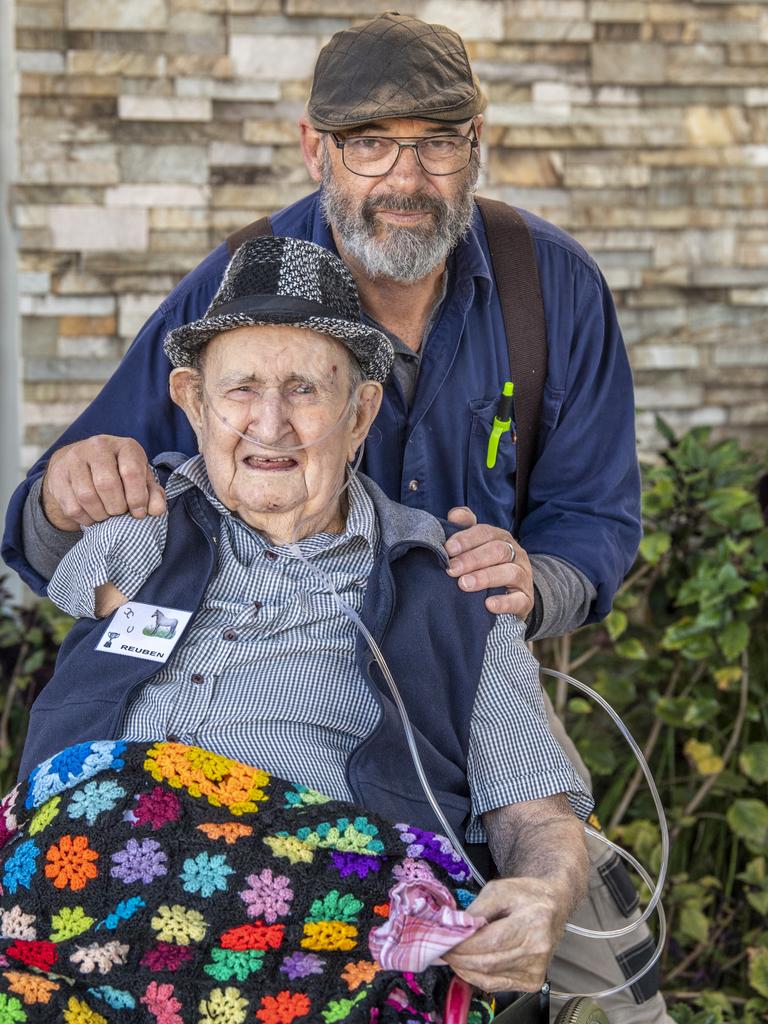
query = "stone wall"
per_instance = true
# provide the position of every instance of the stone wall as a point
(149, 129)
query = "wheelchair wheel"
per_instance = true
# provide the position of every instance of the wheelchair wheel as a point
(581, 1011)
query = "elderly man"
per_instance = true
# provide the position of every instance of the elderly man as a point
(392, 135)
(249, 574)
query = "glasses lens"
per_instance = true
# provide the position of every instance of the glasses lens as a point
(444, 154)
(370, 155)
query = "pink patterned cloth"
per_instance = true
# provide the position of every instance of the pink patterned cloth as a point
(423, 924)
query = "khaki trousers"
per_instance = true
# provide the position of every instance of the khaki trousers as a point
(590, 965)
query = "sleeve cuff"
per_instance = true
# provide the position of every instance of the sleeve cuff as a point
(44, 544)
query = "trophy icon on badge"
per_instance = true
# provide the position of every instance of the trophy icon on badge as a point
(111, 636)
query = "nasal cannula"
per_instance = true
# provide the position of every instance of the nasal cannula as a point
(655, 889)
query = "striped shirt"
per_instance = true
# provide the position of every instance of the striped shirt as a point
(266, 671)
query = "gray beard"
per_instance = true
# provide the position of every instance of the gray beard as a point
(403, 254)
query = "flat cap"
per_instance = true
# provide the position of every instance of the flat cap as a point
(393, 66)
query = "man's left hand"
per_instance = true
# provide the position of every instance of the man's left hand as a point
(481, 557)
(512, 952)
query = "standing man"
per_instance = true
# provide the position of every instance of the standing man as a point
(391, 135)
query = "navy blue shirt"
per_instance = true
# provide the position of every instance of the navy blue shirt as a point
(584, 489)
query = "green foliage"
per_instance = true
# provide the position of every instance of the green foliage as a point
(29, 639)
(684, 658)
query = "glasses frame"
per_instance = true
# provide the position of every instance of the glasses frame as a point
(412, 142)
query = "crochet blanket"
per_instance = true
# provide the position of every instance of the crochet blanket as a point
(162, 883)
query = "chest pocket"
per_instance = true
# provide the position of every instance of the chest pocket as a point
(490, 492)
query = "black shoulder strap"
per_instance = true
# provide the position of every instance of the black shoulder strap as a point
(517, 281)
(257, 229)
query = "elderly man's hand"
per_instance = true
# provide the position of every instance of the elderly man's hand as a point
(481, 557)
(89, 481)
(512, 952)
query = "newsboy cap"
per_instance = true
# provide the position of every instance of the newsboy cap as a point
(274, 280)
(393, 66)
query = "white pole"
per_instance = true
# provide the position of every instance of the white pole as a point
(10, 362)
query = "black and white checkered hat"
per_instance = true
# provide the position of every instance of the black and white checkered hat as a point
(273, 280)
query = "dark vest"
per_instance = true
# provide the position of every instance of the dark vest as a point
(433, 637)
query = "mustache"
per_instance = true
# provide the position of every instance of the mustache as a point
(417, 202)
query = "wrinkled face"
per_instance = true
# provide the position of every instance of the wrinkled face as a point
(287, 387)
(402, 224)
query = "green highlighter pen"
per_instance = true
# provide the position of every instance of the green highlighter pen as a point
(502, 422)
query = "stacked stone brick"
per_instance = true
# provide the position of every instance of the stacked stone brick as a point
(150, 129)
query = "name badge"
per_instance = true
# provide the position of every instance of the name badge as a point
(145, 631)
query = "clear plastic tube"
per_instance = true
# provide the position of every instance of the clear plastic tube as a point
(655, 889)
(281, 447)
(650, 964)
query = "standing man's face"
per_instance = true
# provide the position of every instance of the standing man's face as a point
(402, 224)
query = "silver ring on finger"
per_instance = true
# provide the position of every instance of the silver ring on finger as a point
(512, 552)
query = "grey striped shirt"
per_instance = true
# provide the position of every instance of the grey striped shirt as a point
(266, 671)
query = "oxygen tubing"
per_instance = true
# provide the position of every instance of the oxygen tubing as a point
(653, 904)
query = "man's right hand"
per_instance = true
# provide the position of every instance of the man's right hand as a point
(89, 481)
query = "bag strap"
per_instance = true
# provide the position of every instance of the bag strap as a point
(257, 229)
(517, 281)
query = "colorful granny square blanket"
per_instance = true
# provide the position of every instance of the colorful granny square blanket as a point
(162, 883)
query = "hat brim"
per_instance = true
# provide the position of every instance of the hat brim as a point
(372, 349)
(323, 118)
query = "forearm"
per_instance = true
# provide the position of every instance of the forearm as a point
(542, 840)
(540, 843)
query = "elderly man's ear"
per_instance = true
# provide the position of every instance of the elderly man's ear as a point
(186, 388)
(369, 396)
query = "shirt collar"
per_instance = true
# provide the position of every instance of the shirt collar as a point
(361, 516)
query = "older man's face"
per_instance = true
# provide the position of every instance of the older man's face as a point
(285, 387)
(400, 225)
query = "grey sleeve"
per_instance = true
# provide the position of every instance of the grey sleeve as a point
(562, 597)
(44, 545)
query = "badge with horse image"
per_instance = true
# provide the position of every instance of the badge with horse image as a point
(147, 631)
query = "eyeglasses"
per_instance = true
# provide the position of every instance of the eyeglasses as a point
(371, 156)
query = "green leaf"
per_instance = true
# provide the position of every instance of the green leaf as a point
(665, 430)
(726, 678)
(758, 900)
(694, 924)
(616, 623)
(598, 757)
(724, 501)
(617, 689)
(654, 546)
(733, 639)
(753, 761)
(749, 820)
(35, 661)
(579, 706)
(758, 970)
(754, 873)
(687, 712)
(631, 649)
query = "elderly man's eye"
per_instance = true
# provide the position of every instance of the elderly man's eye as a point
(244, 392)
(305, 389)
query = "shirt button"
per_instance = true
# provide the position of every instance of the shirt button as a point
(229, 634)
(270, 555)
(197, 678)
(172, 738)
(413, 485)
(257, 606)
